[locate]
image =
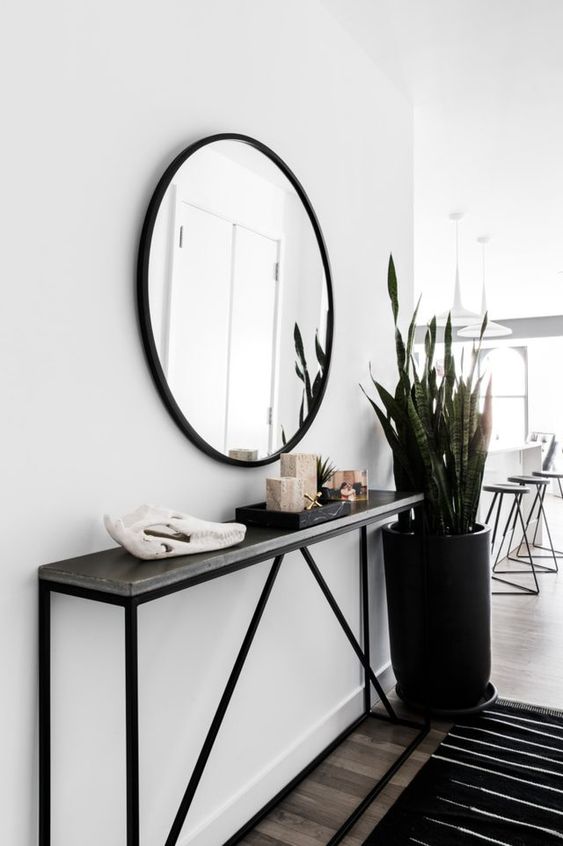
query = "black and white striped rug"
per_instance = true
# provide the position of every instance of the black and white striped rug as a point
(496, 778)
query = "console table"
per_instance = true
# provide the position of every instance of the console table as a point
(116, 577)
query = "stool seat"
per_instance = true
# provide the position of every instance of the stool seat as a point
(529, 480)
(504, 487)
(551, 474)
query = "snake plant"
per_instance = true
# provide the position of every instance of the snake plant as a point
(310, 388)
(325, 469)
(437, 432)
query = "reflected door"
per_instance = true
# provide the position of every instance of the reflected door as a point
(198, 342)
(253, 342)
(225, 349)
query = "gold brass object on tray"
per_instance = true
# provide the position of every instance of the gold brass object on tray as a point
(313, 501)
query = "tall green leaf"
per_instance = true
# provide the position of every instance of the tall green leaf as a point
(392, 288)
(320, 353)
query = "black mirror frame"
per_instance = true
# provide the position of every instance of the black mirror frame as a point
(144, 311)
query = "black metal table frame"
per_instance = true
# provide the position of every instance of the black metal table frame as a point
(131, 604)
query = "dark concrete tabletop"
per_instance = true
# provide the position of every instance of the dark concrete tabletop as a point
(117, 572)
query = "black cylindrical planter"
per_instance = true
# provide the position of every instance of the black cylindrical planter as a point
(457, 671)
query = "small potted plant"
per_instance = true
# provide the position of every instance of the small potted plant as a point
(325, 470)
(439, 437)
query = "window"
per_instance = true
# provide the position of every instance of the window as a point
(508, 368)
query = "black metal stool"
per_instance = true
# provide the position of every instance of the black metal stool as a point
(551, 474)
(541, 482)
(517, 491)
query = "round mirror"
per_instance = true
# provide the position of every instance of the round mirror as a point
(235, 300)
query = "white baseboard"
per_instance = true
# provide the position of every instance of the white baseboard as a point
(386, 678)
(224, 820)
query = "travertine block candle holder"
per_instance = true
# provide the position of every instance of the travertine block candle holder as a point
(284, 494)
(244, 454)
(301, 466)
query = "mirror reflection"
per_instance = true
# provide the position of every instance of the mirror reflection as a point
(239, 300)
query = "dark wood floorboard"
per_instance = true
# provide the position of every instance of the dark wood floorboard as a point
(527, 666)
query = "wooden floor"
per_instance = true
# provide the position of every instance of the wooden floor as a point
(527, 666)
(323, 801)
(528, 632)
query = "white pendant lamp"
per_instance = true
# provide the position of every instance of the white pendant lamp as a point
(493, 330)
(460, 315)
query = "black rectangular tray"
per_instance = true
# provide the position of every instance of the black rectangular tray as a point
(257, 515)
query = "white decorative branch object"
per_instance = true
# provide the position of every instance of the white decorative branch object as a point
(152, 532)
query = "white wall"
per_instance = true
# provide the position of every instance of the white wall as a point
(545, 403)
(486, 80)
(100, 96)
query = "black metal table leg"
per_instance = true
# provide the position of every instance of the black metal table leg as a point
(44, 714)
(376, 789)
(132, 722)
(364, 589)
